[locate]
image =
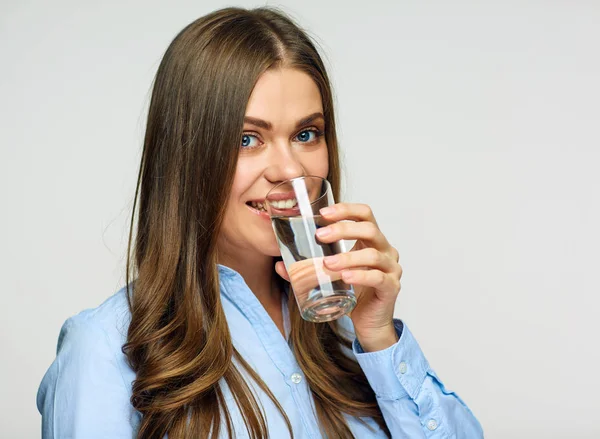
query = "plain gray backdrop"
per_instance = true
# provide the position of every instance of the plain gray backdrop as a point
(470, 127)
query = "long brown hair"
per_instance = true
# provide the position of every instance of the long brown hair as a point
(178, 341)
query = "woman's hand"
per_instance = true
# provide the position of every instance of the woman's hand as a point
(371, 267)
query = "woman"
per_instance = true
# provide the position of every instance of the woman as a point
(205, 342)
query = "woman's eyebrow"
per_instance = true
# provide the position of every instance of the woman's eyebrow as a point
(268, 126)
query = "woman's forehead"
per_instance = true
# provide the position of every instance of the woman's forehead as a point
(284, 96)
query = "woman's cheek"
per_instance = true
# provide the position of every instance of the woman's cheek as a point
(317, 162)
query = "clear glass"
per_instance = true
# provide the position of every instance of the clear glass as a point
(293, 207)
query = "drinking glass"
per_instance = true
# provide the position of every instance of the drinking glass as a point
(293, 207)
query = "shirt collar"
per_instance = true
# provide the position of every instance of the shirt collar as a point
(234, 288)
(234, 276)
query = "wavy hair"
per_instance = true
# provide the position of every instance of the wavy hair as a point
(178, 341)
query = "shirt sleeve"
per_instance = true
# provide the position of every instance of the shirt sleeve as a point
(413, 400)
(83, 393)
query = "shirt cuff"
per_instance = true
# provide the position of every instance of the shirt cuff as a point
(395, 372)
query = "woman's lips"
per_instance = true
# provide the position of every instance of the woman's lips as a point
(275, 197)
(282, 196)
(274, 211)
(291, 211)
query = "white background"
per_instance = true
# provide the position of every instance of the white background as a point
(471, 128)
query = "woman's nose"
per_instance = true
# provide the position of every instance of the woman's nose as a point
(283, 164)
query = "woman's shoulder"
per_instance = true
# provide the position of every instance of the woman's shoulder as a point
(111, 318)
(91, 341)
(90, 375)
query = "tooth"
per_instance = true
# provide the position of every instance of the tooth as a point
(283, 204)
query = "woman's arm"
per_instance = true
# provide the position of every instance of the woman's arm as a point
(413, 400)
(83, 393)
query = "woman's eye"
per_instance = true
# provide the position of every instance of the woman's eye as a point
(307, 136)
(249, 141)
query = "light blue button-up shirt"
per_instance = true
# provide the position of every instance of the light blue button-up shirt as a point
(86, 391)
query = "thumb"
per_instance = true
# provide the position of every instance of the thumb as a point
(281, 271)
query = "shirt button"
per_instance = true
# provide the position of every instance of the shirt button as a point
(432, 424)
(403, 367)
(296, 378)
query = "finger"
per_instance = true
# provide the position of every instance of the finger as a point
(349, 211)
(380, 281)
(364, 230)
(368, 257)
(281, 271)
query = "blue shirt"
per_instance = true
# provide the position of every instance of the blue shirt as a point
(86, 391)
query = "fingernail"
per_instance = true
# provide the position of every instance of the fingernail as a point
(322, 232)
(327, 210)
(332, 260)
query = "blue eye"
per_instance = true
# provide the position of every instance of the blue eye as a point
(247, 141)
(308, 136)
(305, 136)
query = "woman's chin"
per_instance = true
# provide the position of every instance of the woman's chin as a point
(275, 252)
(271, 248)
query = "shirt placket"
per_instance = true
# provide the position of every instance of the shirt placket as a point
(276, 347)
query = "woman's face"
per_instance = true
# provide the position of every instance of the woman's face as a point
(283, 138)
